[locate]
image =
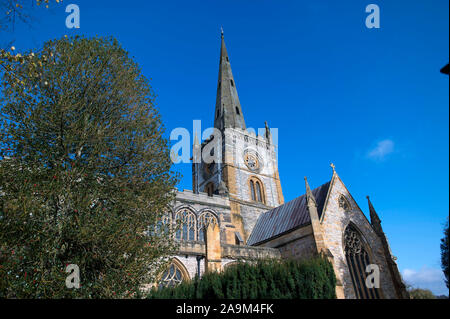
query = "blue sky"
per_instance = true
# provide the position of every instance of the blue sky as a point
(372, 101)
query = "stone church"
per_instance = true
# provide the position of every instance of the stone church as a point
(236, 211)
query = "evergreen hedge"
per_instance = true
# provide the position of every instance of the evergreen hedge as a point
(266, 279)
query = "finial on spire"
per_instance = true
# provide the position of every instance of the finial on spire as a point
(309, 195)
(196, 142)
(333, 167)
(221, 32)
(374, 218)
(267, 130)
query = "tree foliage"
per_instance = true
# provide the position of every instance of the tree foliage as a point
(265, 279)
(84, 173)
(12, 11)
(418, 293)
(444, 253)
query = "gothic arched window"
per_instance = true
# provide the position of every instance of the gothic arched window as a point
(185, 220)
(164, 224)
(252, 190)
(204, 220)
(256, 190)
(344, 203)
(237, 110)
(173, 275)
(357, 261)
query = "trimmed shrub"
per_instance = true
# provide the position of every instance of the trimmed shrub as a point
(264, 279)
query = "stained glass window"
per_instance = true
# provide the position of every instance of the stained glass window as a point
(185, 221)
(171, 277)
(205, 219)
(357, 261)
(256, 190)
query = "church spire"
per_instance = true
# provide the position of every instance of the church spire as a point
(228, 112)
(374, 219)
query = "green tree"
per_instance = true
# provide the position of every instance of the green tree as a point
(444, 253)
(418, 293)
(84, 173)
(12, 11)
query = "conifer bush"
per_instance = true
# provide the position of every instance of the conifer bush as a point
(264, 279)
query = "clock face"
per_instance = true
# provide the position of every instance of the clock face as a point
(251, 161)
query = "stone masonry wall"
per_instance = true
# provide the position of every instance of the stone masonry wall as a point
(297, 244)
(250, 213)
(237, 141)
(191, 264)
(303, 248)
(334, 222)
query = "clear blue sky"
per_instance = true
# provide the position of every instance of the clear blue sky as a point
(371, 101)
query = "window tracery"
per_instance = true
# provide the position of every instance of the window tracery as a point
(357, 261)
(185, 221)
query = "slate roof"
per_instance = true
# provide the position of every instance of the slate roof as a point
(286, 217)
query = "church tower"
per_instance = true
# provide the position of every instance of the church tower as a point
(246, 168)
